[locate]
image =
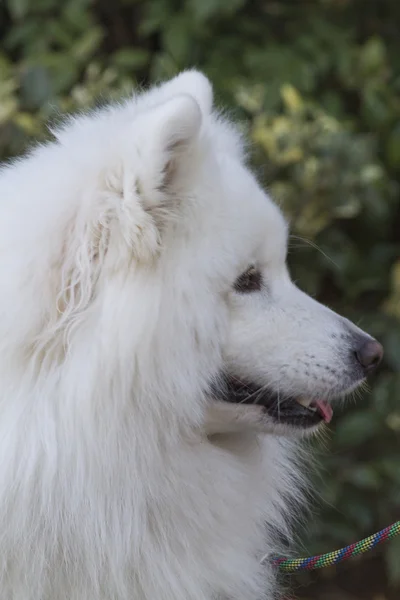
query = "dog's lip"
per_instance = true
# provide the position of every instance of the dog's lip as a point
(322, 407)
(298, 411)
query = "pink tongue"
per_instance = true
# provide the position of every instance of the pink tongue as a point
(325, 410)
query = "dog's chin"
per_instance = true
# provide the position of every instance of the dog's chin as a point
(240, 405)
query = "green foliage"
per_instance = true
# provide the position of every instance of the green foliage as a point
(316, 86)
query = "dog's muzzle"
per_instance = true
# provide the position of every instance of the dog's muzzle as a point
(298, 411)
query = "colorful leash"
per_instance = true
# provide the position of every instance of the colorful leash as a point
(290, 565)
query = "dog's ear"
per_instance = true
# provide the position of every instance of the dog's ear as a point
(190, 82)
(137, 191)
(170, 135)
(158, 150)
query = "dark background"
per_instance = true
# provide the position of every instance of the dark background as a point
(316, 86)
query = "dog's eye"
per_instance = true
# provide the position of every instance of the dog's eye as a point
(249, 281)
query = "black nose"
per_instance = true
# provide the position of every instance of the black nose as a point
(369, 354)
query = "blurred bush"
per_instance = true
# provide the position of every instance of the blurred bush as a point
(316, 85)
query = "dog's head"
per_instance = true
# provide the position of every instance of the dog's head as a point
(286, 358)
(156, 258)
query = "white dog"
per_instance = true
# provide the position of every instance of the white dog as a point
(157, 365)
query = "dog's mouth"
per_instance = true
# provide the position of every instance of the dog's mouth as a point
(297, 411)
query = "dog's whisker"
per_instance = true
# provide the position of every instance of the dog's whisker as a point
(315, 246)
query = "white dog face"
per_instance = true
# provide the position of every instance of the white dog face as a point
(154, 253)
(285, 356)
(285, 352)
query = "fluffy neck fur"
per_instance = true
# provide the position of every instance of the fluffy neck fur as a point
(101, 499)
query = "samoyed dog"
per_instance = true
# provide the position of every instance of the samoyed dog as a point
(158, 368)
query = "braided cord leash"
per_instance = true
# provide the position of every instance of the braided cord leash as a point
(290, 565)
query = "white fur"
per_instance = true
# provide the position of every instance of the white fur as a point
(119, 245)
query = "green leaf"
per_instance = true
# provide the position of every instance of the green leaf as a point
(373, 55)
(131, 58)
(88, 44)
(18, 8)
(211, 8)
(177, 39)
(36, 87)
